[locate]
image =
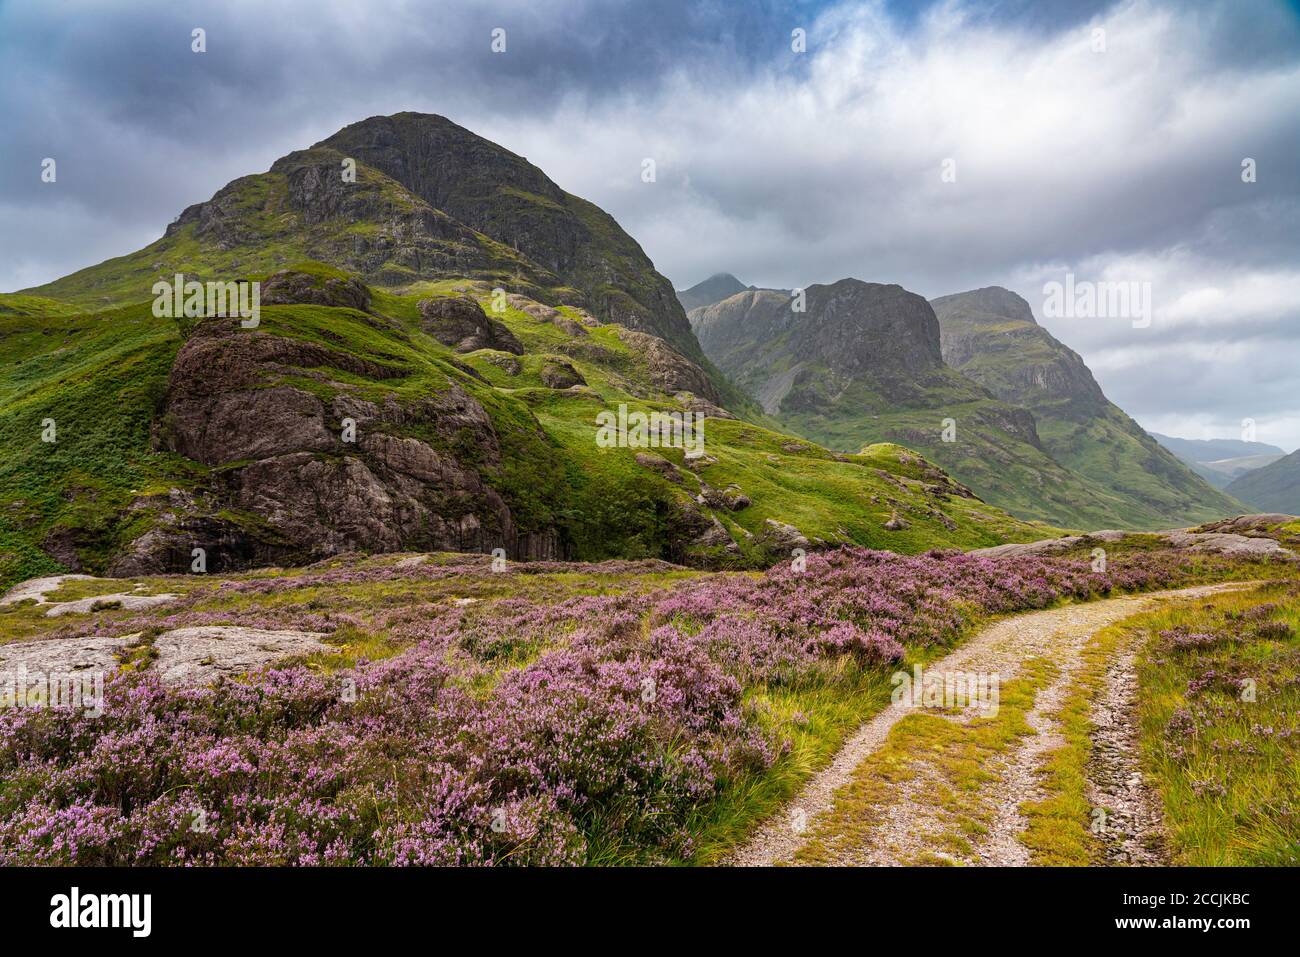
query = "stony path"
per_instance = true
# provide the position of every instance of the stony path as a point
(906, 826)
(1131, 833)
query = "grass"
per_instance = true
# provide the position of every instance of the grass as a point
(1058, 832)
(1227, 767)
(816, 720)
(1220, 808)
(102, 378)
(948, 759)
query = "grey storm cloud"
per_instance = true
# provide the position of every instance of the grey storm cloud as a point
(784, 168)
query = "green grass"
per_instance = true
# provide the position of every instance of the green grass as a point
(1221, 807)
(953, 755)
(1227, 768)
(1058, 833)
(102, 378)
(816, 720)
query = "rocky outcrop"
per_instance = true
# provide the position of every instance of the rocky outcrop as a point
(668, 369)
(198, 656)
(461, 323)
(295, 287)
(88, 656)
(1193, 540)
(730, 498)
(297, 475)
(182, 656)
(659, 464)
(780, 538)
(557, 374)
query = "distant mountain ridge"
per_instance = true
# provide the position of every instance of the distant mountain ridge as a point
(1221, 461)
(1034, 432)
(714, 289)
(1274, 487)
(991, 336)
(863, 363)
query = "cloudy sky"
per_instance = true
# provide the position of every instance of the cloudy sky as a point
(1100, 139)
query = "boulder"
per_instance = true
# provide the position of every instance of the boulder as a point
(460, 322)
(294, 287)
(558, 374)
(782, 538)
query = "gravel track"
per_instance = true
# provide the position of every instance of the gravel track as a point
(907, 824)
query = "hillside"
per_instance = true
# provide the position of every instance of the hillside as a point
(391, 399)
(1220, 461)
(990, 336)
(863, 364)
(1275, 487)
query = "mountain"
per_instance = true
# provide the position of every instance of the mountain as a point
(1220, 461)
(863, 363)
(990, 336)
(436, 340)
(1274, 487)
(451, 203)
(714, 289)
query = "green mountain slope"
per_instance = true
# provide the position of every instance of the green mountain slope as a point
(175, 435)
(413, 383)
(990, 336)
(431, 200)
(1273, 488)
(863, 364)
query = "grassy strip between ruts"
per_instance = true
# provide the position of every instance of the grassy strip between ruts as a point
(948, 760)
(1226, 769)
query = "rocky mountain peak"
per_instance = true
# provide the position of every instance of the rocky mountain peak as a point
(502, 195)
(990, 304)
(716, 288)
(855, 326)
(991, 336)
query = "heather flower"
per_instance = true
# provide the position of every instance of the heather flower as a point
(534, 730)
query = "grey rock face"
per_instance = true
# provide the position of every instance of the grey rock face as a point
(292, 287)
(312, 493)
(990, 334)
(63, 655)
(460, 322)
(188, 656)
(669, 370)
